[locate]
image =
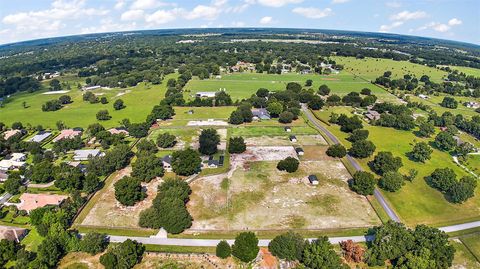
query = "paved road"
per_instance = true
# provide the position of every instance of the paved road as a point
(4, 198)
(460, 227)
(213, 242)
(378, 195)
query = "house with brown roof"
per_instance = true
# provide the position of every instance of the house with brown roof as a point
(31, 201)
(119, 130)
(10, 133)
(67, 133)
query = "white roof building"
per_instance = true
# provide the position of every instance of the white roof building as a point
(86, 154)
(205, 94)
(40, 137)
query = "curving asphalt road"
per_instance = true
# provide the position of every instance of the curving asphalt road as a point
(378, 195)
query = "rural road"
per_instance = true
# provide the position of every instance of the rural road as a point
(378, 195)
(4, 198)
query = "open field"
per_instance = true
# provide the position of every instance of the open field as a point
(463, 259)
(371, 68)
(257, 196)
(271, 131)
(469, 71)
(203, 113)
(417, 202)
(472, 242)
(243, 85)
(139, 101)
(185, 136)
(434, 102)
(473, 162)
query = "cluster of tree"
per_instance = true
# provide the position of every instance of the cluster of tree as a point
(71, 179)
(186, 162)
(104, 137)
(361, 147)
(160, 112)
(137, 130)
(245, 247)
(354, 99)
(54, 105)
(103, 115)
(336, 151)
(128, 191)
(18, 84)
(67, 144)
(221, 99)
(407, 83)
(209, 140)
(347, 124)
(449, 102)
(113, 160)
(169, 208)
(124, 255)
(147, 166)
(456, 191)
(395, 116)
(236, 145)
(166, 140)
(119, 104)
(289, 164)
(90, 97)
(242, 114)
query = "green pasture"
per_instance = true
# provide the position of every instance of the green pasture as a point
(203, 113)
(271, 131)
(434, 102)
(371, 68)
(243, 85)
(139, 101)
(469, 71)
(472, 242)
(473, 162)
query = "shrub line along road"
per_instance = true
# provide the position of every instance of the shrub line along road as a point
(378, 195)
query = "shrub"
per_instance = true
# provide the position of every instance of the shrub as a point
(336, 151)
(166, 140)
(288, 246)
(236, 145)
(245, 247)
(285, 117)
(118, 104)
(391, 181)
(363, 183)
(128, 191)
(289, 164)
(103, 115)
(223, 250)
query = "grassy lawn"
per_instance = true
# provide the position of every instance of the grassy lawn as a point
(203, 113)
(417, 202)
(469, 71)
(139, 101)
(271, 131)
(179, 249)
(472, 242)
(434, 102)
(243, 85)
(463, 256)
(371, 68)
(473, 163)
(32, 240)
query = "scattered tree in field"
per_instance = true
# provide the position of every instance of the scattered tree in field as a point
(289, 164)
(412, 174)
(186, 162)
(316, 103)
(463, 190)
(421, 152)
(146, 146)
(286, 117)
(386, 162)
(236, 145)
(449, 102)
(324, 90)
(275, 108)
(362, 149)
(352, 252)
(445, 141)
(363, 183)
(128, 191)
(166, 140)
(55, 85)
(320, 254)
(93, 243)
(366, 91)
(118, 104)
(147, 167)
(223, 250)
(52, 105)
(65, 99)
(160, 112)
(262, 92)
(124, 255)
(288, 246)
(245, 247)
(443, 179)
(17, 125)
(103, 115)
(138, 130)
(209, 140)
(103, 100)
(308, 83)
(294, 87)
(391, 181)
(358, 134)
(426, 129)
(349, 125)
(336, 151)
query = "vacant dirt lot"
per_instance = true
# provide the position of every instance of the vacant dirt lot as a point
(264, 153)
(303, 140)
(108, 212)
(258, 196)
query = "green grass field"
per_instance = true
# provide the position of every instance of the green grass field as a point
(271, 131)
(203, 113)
(469, 71)
(139, 101)
(370, 68)
(472, 242)
(434, 102)
(243, 85)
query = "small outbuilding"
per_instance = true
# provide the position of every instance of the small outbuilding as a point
(288, 129)
(293, 138)
(167, 163)
(299, 151)
(372, 115)
(313, 179)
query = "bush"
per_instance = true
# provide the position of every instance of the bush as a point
(362, 149)
(236, 145)
(289, 164)
(128, 191)
(245, 247)
(166, 140)
(285, 117)
(288, 246)
(385, 162)
(223, 250)
(391, 181)
(363, 183)
(103, 115)
(118, 104)
(336, 151)
(93, 243)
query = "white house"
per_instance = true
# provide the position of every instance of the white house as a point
(205, 94)
(423, 96)
(167, 163)
(41, 136)
(86, 154)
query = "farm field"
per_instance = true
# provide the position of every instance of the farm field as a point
(473, 162)
(469, 71)
(434, 102)
(370, 68)
(139, 101)
(243, 85)
(417, 202)
(463, 257)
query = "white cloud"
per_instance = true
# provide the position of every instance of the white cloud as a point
(120, 4)
(278, 3)
(454, 22)
(204, 12)
(388, 27)
(132, 15)
(266, 20)
(407, 15)
(163, 16)
(238, 24)
(393, 4)
(147, 4)
(313, 13)
(339, 1)
(108, 25)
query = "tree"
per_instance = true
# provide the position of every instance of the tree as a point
(52, 105)
(103, 115)
(352, 252)
(391, 181)
(223, 250)
(17, 125)
(65, 99)
(236, 145)
(285, 117)
(236, 117)
(245, 247)
(324, 90)
(118, 104)
(426, 129)
(186, 162)
(362, 149)
(316, 103)
(262, 92)
(103, 100)
(55, 85)
(358, 134)
(366, 91)
(386, 162)
(412, 174)
(351, 124)
(275, 108)
(138, 130)
(161, 112)
(42, 172)
(91, 183)
(166, 140)
(8, 250)
(449, 102)
(288, 246)
(289, 164)
(12, 184)
(294, 87)
(308, 83)
(320, 255)
(128, 191)
(50, 251)
(123, 256)
(445, 141)
(442, 179)
(363, 183)
(463, 190)
(146, 146)
(209, 140)
(336, 151)
(93, 243)
(147, 167)
(421, 152)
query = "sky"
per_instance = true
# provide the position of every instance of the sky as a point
(22, 20)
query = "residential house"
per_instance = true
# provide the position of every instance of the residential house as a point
(167, 163)
(213, 163)
(40, 137)
(31, 201)
(67, 133)
(118, 130)
(86, 154)
(313, 179)
(472, 104)
(293, 138)
(260, 114)
(372, 115)
(299, 151)
(14, 161)
(10, 133)
(3, 176)
(12, 233)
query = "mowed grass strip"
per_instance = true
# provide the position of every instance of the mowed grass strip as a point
(271, 131)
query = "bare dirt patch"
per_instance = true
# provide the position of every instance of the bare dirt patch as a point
(267, 141)
(311, 140)
(207, 123)
(108, 212)
(184, 261)
(264, 153)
